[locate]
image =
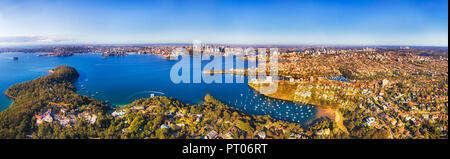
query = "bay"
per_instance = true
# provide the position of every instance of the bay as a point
(122, 79)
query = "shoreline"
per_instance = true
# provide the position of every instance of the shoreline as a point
(326, 111)
(6, 94)
(68, 74)
(51, 71)
(11, 97)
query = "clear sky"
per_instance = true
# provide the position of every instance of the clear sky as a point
(307, 22)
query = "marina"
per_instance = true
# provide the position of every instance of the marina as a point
(122, 79)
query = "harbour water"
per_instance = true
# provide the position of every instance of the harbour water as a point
(123, 79)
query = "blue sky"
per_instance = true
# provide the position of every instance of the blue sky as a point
(302, 22)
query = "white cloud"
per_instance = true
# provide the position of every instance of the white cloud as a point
(33, 40)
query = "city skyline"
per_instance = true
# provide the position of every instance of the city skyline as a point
(412, 23)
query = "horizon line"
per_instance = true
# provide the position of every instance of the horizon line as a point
(230, 44)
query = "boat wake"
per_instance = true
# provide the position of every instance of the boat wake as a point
(147, 93)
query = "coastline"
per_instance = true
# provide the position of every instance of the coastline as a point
(13, 98)
(246, 125)
(323, 111)
(9, 96)
(236, 71)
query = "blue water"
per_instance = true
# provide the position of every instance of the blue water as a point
(338, 78)
(123, 79)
